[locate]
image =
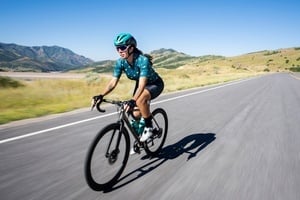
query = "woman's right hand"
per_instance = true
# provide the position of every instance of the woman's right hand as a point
(96, 99)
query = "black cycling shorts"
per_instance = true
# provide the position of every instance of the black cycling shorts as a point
(155, 88)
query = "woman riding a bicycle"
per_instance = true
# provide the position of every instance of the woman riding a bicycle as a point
(137, 67)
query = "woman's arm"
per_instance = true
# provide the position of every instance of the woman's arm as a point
(110, 86)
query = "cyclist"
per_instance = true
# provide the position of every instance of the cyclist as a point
(137, 67)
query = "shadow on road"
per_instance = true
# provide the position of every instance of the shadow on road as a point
(190, 145)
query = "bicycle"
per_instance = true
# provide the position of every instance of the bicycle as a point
(108, 153)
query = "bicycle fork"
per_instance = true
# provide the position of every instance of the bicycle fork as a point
(113, 155)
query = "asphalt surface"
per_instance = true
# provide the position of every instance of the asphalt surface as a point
(240, 140)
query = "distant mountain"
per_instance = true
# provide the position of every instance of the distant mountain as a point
(15, 57)
(105, 66)
(162, 58)
(169, 58)
(46, 59)
(164, 51)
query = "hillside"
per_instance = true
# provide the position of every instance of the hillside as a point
(267, 60)
(162, 58)
(45, 59)
(169, 58)
(39, 58)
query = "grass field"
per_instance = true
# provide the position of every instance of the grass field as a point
(34, 97)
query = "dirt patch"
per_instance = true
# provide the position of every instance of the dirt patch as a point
(36, 75)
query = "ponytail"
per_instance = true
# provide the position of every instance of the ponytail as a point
(149, 57)
(139, 52)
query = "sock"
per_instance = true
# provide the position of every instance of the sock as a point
(148, 121)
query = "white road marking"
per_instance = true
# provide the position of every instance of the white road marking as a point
(294, 76)
(103, 116)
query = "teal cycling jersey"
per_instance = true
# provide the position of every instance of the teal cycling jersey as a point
(141, 67)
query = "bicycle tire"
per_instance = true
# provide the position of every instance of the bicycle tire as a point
(155, 144)
(97, 157)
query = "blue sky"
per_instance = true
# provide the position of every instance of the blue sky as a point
(194, 27)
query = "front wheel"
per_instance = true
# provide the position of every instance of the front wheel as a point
(160, 130)
(107, 157)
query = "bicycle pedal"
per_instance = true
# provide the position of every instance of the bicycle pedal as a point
(137, 150)
(150, 141)
(137, 144)
(137, 147)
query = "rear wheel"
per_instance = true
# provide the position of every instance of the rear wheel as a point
(160, 128)
(105, 160)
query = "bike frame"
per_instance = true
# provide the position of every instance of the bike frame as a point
(124, 119)
(124, 123)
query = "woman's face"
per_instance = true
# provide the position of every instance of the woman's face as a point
(124, 51)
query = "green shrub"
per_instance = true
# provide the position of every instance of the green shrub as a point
(295, 69)
(6, 82)
(268, 53)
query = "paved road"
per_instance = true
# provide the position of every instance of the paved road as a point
(235, 141)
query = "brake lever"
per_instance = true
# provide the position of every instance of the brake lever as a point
(93, 104)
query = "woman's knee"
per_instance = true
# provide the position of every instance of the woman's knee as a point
(143, 99)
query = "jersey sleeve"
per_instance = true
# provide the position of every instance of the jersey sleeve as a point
(145, 67)
(117, 69)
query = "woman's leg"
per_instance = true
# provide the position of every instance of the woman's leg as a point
(144, 106)
(150, 92)
(142, 103)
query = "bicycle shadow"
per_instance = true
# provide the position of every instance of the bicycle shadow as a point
(191, 144)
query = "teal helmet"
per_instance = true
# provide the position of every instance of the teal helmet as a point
(124, 39)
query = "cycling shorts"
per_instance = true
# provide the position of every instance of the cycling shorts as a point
(155, 88)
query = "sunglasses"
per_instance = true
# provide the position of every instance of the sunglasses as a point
(122, 48)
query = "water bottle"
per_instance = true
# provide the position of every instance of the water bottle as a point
(141, 126)
(135, 125)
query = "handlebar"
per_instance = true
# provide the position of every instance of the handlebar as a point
(97, 103)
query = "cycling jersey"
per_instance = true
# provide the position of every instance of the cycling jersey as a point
(141, 68)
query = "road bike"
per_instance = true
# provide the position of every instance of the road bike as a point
(108, 153)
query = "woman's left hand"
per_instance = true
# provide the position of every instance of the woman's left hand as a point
(130, 105)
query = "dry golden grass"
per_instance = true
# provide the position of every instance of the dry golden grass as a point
(40, 97)
(181, 79)
(44, 96)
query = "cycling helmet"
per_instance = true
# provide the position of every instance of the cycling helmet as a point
(124, 39)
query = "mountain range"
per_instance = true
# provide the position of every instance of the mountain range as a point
(15, 57)
(162, 58)
(54, 58)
